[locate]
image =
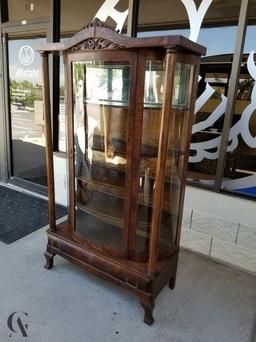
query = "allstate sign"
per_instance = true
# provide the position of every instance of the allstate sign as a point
(26, 55)
(26, 58)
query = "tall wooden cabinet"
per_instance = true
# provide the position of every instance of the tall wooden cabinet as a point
(130, 104)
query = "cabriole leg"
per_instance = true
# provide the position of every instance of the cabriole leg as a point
(148, 306)
(172, 282)
(49, 255)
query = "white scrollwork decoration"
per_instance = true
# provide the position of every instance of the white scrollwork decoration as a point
(108, 10)
(206, 149)
(209, 91)
(216, 114)
(196, 16)
(202, 150)
(202, 147)
(242, 126)
(249, 110)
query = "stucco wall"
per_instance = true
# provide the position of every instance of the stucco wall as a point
(220, 226)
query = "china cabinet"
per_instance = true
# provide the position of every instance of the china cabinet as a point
(129, 110)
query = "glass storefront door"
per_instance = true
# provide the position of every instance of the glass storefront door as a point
(25, 107)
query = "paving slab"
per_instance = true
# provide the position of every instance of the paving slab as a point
(211, 302)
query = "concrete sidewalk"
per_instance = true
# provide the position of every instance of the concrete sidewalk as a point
(211, 302)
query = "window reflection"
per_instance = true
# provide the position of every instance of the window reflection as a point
(154, 87)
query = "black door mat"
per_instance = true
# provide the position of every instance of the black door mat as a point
(22, 214)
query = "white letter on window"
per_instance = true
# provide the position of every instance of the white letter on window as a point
(196, 16)
(108, 10)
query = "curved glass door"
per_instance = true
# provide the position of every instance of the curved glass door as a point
(100, 100)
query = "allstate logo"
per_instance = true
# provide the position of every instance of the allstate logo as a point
(26, 55)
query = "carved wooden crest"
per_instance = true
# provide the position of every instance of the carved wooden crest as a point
(95, 44)
(98, 23)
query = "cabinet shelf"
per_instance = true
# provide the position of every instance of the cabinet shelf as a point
(118, 160)
(93, 229)
(118, 191)
(104, 225)
(110, 209)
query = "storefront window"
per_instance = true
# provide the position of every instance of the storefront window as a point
(240, 166)
(207, 129)
(219, 20)
(25, 10)
(81, 13)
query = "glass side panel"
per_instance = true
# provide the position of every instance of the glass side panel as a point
(179, 111)
(153, 99)
(62, 110)
(100, 92)
(174, 168)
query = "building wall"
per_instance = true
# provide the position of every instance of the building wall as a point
(221, 227)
